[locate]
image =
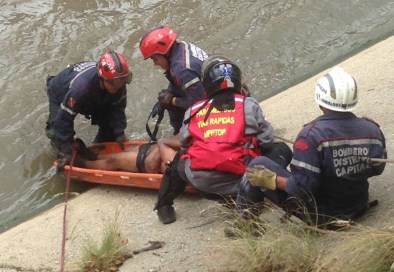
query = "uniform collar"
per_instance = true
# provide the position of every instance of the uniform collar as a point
(336, 115)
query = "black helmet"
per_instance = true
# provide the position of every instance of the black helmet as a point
(218, 73)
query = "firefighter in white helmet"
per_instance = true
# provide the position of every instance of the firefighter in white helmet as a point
(337, 91)
(331, 161)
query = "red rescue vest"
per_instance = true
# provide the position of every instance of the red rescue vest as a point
(220, 143)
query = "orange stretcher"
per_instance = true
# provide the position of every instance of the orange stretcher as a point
(118, 178)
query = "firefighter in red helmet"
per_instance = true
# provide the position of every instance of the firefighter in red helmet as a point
(181, 62)
(96, 90)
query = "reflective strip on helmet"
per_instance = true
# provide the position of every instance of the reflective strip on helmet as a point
(118, 63)
(333, 91)
(67, 109)
(306, 166)
(338, 106)
(349, 142)
(190, 83)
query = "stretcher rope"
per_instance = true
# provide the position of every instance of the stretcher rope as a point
(62, 258)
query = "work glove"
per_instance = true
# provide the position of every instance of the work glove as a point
(165, 97)
(62, 160)
(83, 151)
(260, 176)
(157, 110)
(120, 139)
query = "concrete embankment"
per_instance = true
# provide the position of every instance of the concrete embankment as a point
(191, 242)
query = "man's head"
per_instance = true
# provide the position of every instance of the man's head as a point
(337, 91)
(156, 45)
(114, 70)
(220, 73)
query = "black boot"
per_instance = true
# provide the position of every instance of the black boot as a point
(166, 214)
(171, 186)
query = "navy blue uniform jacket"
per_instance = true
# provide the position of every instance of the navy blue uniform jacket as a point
(331, 162)
(184, 76)
(77, 90)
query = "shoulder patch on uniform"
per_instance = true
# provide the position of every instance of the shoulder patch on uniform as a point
(71, 102)
(177, 82)
(301, 145)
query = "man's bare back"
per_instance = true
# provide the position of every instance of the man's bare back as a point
(154, 161)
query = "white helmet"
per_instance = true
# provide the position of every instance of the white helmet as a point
(337, 91)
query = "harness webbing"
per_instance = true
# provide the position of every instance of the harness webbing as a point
(152, 114)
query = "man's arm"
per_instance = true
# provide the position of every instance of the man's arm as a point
(64, 123)
(168, 147)
(189, 89)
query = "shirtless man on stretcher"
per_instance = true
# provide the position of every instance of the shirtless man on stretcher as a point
(151, 158)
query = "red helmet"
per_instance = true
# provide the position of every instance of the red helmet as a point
(113, 68)
(113, 65)
(157, 41)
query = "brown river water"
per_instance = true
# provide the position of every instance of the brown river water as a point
(277, 43)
